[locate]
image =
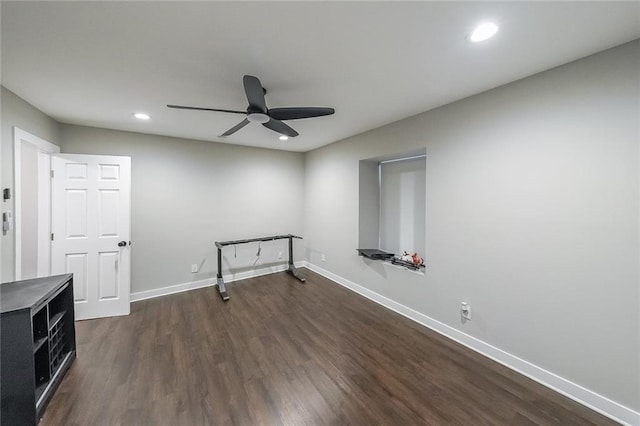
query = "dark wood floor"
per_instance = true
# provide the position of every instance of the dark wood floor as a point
(281, 352)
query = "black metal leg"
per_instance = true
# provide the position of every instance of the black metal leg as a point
(292, 268)
(290, 251)
(222, 289)
(294, 271)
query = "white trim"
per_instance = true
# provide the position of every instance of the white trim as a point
(586, 397)
(179, 288)
(19, 136)
(395, 160)
(44, 214)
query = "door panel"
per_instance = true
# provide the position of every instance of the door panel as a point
(108, 203)
(77, 264)
(91, 215)
(108, 275)
(109, 171)
(76, 209)
(76, 171)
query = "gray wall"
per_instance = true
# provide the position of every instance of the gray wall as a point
(531, 216)
(16, 112)
(187, 194)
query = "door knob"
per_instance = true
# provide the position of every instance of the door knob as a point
(122, 244)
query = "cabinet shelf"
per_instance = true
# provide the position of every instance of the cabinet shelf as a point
(38, 344)
(55, 320)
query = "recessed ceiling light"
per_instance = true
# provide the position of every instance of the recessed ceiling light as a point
(483, 32)
(141, 116)
(284, 137)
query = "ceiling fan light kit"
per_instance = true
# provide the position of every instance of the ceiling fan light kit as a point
(257, 111)
(258, 117)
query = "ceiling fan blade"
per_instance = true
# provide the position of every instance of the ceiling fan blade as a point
(206, 109)
(280, 127)
(294, 113)
(235, 128)
(255, 94)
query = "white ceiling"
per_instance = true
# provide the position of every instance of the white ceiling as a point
(95, 63)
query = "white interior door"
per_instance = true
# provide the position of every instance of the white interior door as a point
(90, 201)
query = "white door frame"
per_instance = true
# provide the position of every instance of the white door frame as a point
(44, 196)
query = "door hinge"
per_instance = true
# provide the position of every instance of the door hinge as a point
(52, 173)
(52, 236)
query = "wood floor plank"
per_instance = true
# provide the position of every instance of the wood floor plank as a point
(283, 353)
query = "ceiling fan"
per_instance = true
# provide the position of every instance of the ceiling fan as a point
(258, 112)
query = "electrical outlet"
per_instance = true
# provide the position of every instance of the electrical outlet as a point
(194, 268)
(324, 258)
(279, 255)
(465, 311)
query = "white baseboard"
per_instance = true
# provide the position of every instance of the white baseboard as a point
(179, 288)
(596, 402)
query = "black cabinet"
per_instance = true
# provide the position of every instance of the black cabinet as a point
(37, 344)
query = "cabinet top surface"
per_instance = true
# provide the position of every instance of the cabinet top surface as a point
(19, 295)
